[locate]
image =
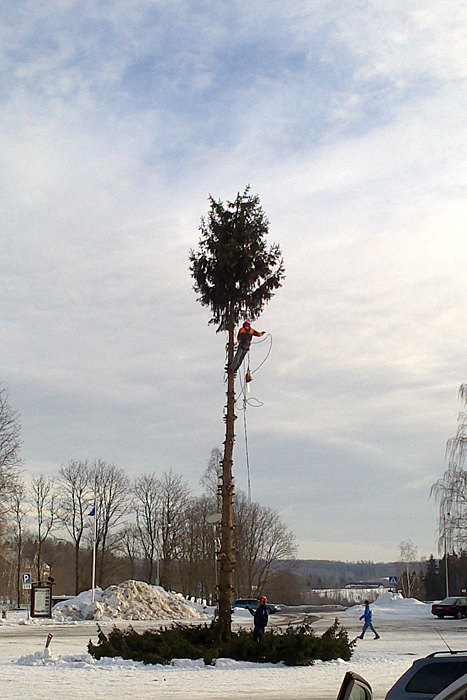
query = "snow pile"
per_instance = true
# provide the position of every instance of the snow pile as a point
(79, 608)
(19, 616)
(242, 612)
(39, 658)
(130, 600)
(394, 605)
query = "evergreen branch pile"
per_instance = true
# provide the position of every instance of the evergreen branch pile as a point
(297, 646)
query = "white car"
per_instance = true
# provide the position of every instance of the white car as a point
(429, 676)
(354, 687)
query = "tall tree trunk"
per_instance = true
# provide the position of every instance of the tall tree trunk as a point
(151, 569)
(39, 552)
(226, 563)
(76, 568)
(18, 571)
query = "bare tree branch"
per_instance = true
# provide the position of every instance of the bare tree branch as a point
(75, 499)
(44, 497)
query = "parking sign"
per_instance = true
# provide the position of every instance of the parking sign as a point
(26, 578)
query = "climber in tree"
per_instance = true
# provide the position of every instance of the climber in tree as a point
(245, 334)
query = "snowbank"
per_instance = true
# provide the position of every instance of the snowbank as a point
(394, 605)
(130, 600)
(242, 613)
(41, 658)
(19, 616)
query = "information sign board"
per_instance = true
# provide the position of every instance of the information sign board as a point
(41, 600)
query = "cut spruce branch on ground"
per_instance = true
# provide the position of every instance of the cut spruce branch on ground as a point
(297, 646)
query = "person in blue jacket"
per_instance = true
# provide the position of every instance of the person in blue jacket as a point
(261, 619)
(367, 615)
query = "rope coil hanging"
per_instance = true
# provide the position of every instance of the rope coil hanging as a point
(253, 402)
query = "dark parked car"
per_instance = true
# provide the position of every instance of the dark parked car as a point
(429, 676)
(252, 603)
(450, 607)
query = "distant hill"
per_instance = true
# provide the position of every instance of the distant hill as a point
(328, 573)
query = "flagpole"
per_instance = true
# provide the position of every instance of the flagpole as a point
(94, 557)
(94, 539)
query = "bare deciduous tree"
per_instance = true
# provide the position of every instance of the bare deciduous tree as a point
(112, 491)
(130, 545)
(212, 477)
(407, 559)
(43, 493)
(75, 500)
(450, 491)
(18, 509)
(10, 444)
(147, 493)
(261, 538)
(175, 497)
(198, 571)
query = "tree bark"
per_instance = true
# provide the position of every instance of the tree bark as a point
(77, 567)
(18, 570)
(226, 563)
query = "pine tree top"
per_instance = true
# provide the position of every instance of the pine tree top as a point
(235, 272)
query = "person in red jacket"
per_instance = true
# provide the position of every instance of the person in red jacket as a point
(245, 334)
(260, 619)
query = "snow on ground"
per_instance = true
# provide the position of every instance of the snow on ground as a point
(407, 631)
(130, 600)
(393, 605)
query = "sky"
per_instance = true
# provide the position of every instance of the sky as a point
(118, 120)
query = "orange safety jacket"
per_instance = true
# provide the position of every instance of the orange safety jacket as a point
(245, 335)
